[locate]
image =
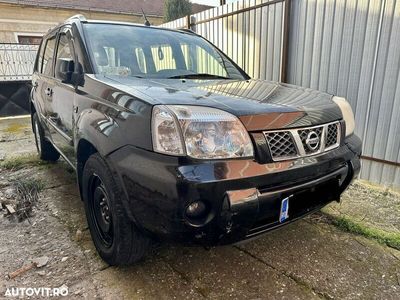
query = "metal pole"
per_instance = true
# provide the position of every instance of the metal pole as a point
(285, 43)
(188, 25)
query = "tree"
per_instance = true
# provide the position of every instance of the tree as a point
(175, 9)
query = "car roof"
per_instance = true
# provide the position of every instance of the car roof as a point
(82, 19)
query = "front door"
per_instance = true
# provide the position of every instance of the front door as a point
(60, 118)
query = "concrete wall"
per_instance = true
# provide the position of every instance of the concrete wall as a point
(24, 20)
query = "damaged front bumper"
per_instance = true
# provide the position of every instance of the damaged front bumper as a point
(240, 199)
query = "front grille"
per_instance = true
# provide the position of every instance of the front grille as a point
(332, 136)
(281, 144)
(294, 143)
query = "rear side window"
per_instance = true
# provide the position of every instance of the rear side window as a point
(47, 67)
(39, 62)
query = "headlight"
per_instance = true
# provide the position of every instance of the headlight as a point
(199, 132)
(347, 113)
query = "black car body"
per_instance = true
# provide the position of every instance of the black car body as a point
(301, 152)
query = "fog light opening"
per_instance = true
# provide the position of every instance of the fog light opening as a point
(197, 212)
(196, 209)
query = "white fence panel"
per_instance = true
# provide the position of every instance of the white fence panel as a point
(250, 32)
(17, 61)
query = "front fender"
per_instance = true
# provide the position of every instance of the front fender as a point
(109, 129)
(90, 126)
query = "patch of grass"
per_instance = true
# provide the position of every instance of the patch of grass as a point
(19, 162)
(386, 238)
(30, 184)
(27, 191)
(17, 127)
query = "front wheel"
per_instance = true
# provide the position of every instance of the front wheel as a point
(116, 237)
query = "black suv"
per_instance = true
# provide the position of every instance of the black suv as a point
(171, 140)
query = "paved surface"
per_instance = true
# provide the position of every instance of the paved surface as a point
(310, 259)
(16, 137)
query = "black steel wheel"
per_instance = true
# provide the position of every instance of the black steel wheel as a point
(100, 210)
(117, 239)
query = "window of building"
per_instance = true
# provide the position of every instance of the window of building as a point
(29, 40)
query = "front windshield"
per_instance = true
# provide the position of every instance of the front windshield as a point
(142, 52)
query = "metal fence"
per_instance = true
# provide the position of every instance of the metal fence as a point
(16, 68)
(244, 30)
(17, 61)
(347, 48)
(352, 48)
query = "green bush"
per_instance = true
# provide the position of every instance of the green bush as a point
(175, 9)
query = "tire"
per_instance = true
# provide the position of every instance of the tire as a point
(45, 149)
(116, 237)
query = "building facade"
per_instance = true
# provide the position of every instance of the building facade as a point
(26, 21)
(26, 24)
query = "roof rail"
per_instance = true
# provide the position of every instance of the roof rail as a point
(79, 17)
(188, 31)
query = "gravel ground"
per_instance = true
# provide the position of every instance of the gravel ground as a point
(309, 259)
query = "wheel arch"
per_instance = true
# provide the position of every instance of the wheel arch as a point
(33, 111)
(84, 150)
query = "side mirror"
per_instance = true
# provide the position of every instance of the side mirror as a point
(64, 69)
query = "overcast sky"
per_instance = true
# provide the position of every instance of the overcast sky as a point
(210, 2)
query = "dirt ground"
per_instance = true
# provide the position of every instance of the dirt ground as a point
(314, 258)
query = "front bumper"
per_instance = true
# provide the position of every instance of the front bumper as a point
(243, 196)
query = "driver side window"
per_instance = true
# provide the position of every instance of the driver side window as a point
(64, 49)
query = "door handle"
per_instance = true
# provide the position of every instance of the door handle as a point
(49, 92)
(35, 85)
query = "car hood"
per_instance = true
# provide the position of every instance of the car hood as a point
(259, 104)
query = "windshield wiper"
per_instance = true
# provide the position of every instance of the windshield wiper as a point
(198, 76)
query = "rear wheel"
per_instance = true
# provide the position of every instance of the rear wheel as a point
(116, 237)
(45, 149)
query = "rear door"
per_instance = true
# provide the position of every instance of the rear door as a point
(36, 79)
(42, 81)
